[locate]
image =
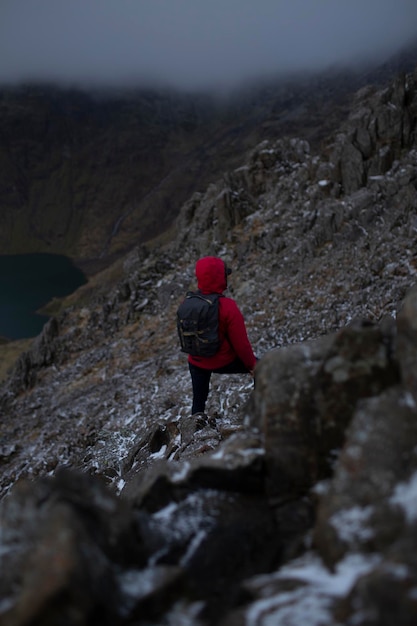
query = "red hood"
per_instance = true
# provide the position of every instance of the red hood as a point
(211, 275)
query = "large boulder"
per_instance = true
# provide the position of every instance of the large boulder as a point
(63, 542)
(209, 515)
(369, 506)
(305, 397)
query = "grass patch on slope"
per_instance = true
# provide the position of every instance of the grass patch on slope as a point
(9, 353)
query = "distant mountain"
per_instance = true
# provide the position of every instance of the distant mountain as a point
(90, 174)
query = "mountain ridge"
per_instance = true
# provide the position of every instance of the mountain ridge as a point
(92, 175)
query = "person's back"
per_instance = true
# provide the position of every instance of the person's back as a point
(235, 354)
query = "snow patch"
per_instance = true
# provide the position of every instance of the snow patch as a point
(192, 547)
(160, 454)
(310, 604)
(181, 474)
(407, 399)
(351, 524)
(405, 496)
(120, 485)
(166, 512)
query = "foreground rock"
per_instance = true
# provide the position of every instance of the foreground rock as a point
(358, 565)
(305, 398)
(181, 532)
(328, 453)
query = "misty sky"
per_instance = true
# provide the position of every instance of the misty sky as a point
(193, 43)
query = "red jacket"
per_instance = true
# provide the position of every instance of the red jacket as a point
(212, 278)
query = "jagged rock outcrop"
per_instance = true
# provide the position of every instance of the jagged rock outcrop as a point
(285, 174)
(376, 135)
(42, 354)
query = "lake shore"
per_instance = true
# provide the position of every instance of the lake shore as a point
(33, 286)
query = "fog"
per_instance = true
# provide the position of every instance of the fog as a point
(193, 43)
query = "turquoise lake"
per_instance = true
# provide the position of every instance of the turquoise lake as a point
(28, 282)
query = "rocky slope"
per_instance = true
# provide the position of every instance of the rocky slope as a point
(299, 504)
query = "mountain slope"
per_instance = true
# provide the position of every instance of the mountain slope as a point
(317, 240)
(91, 174)
(307, 259)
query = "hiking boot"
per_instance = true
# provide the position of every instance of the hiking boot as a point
(200, 420)
(212, 422)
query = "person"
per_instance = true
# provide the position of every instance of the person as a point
(235, 355)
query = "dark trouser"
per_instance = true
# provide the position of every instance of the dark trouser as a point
(200, 379)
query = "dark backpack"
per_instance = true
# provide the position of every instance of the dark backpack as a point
(198, 324)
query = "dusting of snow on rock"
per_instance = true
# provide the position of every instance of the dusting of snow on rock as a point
(407, 399)
(405, 496)
(351, 524)
(311, 602)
